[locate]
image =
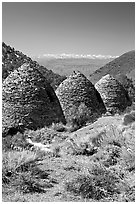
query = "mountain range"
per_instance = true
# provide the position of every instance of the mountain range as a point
(87, 56)
(56, 67)
(65, 64)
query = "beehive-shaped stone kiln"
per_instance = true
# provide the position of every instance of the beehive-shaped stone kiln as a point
(77, 90)
(113, 94)
(28, 101)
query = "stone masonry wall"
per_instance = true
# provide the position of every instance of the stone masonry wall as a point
(77, 90)
(113, 94)
(28, 101)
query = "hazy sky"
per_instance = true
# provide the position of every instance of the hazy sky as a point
(79, 28)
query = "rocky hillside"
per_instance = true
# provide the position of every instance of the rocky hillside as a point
(12, 59)
(125, 64)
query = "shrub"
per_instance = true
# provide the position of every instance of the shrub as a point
(81, 147)
(129, 118)
(18, 171)
(44, 135)
(129, 108)
(11, 141)
(108, 155)
(113, 136)
(59, 127)
(105, 144)
(117, 148)
(98, 184)
(72, 126)
(26, 182)
(13, 161)
(81, 115)
(110, 146)
(113, 153)
(128, 150)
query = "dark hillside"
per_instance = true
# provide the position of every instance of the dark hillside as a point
(12, 59)
(125, 65)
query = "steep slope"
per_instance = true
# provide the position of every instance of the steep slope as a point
(12, 59)
(125, 64)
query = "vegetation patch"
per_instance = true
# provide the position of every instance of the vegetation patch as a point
(129, 118)
(98, 184)
(20, 172)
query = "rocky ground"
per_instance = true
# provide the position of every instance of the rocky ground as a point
(94, 163)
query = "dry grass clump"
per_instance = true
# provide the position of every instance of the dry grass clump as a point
(95, 164)
(96, 141)
(98, 184)
(17, 141)
(110, 171)
(59, 127)
(84, 147)
(44, 135)
(117, 148)
(109, 155)
(20, 171)
(109, 174)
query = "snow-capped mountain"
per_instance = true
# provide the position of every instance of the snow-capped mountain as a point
(64, 64)
(64, 55)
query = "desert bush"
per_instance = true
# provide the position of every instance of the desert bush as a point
(59, 127)
(129, 118)
(81, 115)
(110, 146)
(108, 140)
(110, 136)
(127, 159)
(82, 147)
(72, 126)
(44, 135)
(129, 108)
(13, 160)
(117, 148)
(11, 141)
(108, 155)
(113, 153)
(18, 171)
(98, 184)
(113, 136)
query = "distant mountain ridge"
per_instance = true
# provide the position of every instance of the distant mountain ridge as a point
(65, 64)
(125, 65)
(13, 59)
(88, 56)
